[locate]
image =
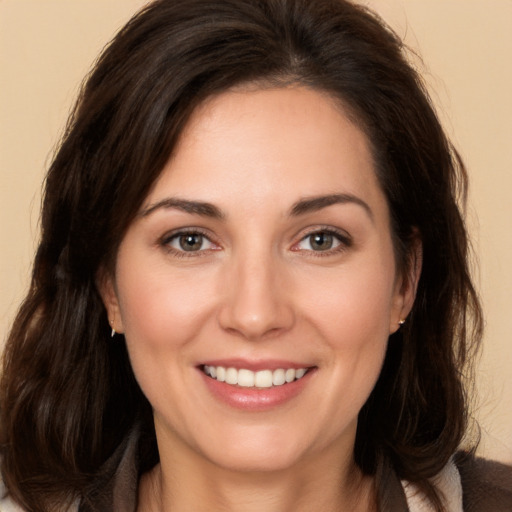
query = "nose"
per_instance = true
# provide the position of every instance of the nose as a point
(257, 301)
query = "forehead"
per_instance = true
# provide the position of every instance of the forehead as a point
(269, 145)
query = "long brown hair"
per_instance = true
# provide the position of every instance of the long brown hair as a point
(68, 396)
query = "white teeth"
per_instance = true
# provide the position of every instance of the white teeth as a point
(300, 373)
(290, 375)
(245, 378)
(263, 379)
(232, 376)
(278, 377)
(221, 373)
(249, 379)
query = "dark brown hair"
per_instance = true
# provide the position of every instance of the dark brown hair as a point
(68, 396)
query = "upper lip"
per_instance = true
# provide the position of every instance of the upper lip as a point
(256, 365)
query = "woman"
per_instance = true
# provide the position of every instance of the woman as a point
(251, 290)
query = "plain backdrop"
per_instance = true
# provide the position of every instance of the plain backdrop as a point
(47, 47)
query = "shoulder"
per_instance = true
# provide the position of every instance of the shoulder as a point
(7, 505)
(486, 484)
(448, 484)
(468, 484)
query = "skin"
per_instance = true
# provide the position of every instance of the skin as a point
(258, 289)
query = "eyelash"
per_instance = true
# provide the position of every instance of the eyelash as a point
(166, 240)
(343, 239)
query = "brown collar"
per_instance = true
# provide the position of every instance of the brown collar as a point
(390, 493)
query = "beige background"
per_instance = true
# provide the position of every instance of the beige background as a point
(47, 46)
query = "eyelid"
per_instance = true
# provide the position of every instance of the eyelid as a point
(344, 239)
(165, 240)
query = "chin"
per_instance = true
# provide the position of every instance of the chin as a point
(262, 461)
(257, 452)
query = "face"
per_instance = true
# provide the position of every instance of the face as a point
(257, 287)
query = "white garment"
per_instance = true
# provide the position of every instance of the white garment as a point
(6, 504)
(447, 482)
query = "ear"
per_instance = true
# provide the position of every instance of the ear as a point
(105, 283)
(407, 284)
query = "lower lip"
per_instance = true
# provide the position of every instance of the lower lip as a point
(255, 399)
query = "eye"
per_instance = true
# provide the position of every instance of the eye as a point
(323, 241)
(191, 241)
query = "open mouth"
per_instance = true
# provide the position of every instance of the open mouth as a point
(259, 379)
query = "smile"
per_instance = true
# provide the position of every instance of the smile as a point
(249, 379)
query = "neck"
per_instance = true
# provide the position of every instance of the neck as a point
(326, 486)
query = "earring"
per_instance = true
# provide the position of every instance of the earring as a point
(401, 321)
(113, 332)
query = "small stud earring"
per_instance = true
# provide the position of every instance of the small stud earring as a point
(401, 321)
(113, 332)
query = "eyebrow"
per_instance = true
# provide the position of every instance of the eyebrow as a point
(312, 204)
(194, 207)
(306, 205)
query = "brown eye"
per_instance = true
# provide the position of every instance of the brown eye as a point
(321, 241)
(324, 241)
(188, 241)
(191, 242)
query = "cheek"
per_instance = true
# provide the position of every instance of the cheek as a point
(162, 312)
(355, 326)
(160, 308)
(352, 306)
